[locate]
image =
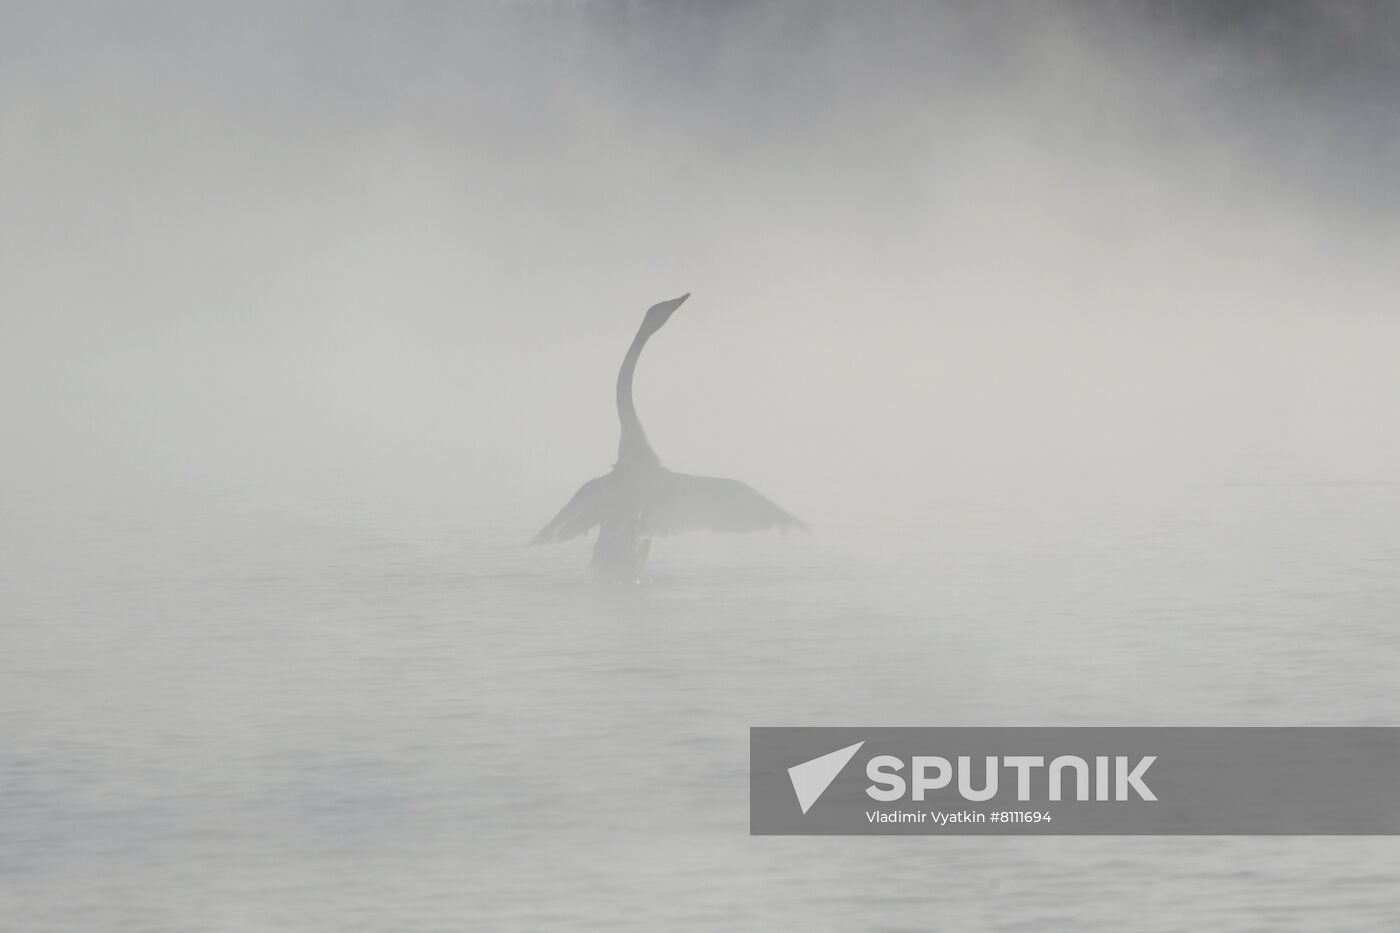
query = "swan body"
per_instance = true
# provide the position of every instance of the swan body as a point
(640, 499)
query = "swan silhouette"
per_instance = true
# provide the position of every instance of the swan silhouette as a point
(641, 499)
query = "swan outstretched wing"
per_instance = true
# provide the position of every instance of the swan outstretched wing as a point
(578, 517)
(681, 502)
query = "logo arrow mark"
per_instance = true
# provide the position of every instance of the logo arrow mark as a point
(811, 778)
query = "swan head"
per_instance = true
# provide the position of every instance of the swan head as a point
(659, 314)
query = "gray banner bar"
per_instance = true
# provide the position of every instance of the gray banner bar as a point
(1074, 781)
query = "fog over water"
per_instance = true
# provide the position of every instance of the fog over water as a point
(1070, 328)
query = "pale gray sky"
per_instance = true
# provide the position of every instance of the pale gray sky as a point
(400, 249)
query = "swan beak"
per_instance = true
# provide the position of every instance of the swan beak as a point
(660, 313)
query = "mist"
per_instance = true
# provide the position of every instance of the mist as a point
(1069, 328)
(930, 246)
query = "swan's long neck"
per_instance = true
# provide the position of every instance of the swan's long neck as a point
(632, 447)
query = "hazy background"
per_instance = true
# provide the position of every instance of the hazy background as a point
(400, 251)
(1071, 328)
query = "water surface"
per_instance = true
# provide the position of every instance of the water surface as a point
(253, 714)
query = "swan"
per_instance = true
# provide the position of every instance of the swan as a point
(640, 499)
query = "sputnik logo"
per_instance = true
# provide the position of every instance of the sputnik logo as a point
(811, 778)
